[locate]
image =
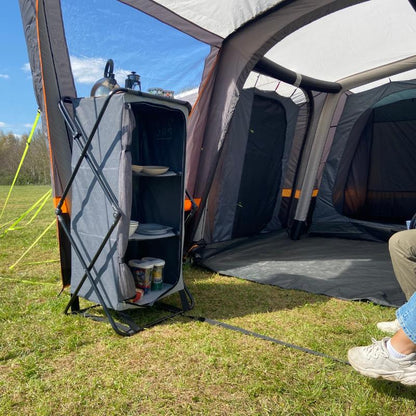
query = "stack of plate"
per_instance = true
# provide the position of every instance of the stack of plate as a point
(154, 229)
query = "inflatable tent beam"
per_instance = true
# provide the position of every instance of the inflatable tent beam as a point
(269, 68)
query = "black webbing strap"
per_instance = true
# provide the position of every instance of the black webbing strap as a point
(265, 337)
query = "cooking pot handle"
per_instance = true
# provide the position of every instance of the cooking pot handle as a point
(108, 70)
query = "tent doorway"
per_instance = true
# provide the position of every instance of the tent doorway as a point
(245, 194)
(380, 184)
(368, 188)
(262, 167)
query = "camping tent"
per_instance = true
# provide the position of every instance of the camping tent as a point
(316, 52)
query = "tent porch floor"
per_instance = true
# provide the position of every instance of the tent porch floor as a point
(341, 268)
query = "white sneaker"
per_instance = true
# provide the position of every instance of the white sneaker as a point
(374, 361)
(390, 327)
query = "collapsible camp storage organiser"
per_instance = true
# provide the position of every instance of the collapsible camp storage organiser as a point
(110, 135)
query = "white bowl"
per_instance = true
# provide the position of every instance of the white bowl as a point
(155, 170)
(136, 168)
(133, 227)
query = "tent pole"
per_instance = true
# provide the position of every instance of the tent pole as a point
(271, 69)
(309, 177)
(296, 229)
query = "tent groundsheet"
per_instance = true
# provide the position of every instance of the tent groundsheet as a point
(342, 268)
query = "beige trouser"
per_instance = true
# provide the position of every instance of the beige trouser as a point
(402, 247)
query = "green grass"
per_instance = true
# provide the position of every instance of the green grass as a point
(57, 364)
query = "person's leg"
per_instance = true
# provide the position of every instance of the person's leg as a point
(397, 361)
(402, 248)
(406, 315)
(402, 343)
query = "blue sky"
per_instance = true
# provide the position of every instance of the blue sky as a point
(17, 103)
(96, 30)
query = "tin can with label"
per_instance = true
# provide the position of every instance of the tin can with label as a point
(157, 273)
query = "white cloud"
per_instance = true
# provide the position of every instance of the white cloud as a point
(26, 67)
(4, 76)
(2, 124)
(188, 95)
(89, 70)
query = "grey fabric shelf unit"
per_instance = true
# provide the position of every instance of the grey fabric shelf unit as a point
(112, 134)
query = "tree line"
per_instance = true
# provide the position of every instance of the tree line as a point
(36, 166)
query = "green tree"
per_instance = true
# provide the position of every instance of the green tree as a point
(35, 169)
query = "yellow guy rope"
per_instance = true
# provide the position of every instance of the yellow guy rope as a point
(29, 139)
(40, 203)
(33, 244)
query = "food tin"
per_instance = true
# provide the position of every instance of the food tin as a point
(142, 273)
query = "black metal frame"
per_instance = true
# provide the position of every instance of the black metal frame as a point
(128, 327)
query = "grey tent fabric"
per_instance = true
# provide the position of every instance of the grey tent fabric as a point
(52, 79)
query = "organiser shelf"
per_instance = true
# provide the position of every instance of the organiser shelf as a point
(112, 134)
(152, 296)
(137, 236)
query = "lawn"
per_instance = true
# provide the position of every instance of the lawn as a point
(57, 364)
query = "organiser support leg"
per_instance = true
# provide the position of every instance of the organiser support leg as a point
(187, 300)
(75, 308)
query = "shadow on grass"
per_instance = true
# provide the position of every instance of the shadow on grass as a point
(395, 390)
(221, 298)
